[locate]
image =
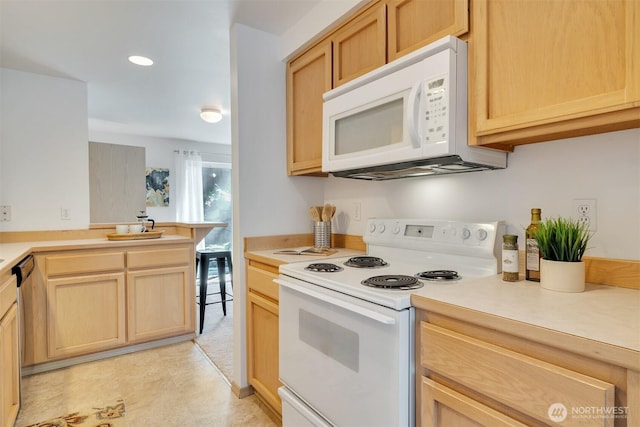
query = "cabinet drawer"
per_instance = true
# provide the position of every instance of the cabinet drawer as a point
(524, 383)
(159, 257)
(262, 281)
(442, 406)
(84, 263)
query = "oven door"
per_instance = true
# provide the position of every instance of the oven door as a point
(348, 359)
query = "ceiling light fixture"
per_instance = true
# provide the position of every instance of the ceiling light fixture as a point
(141, 60)
(210, 114)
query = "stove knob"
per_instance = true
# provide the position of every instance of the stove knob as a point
(381, 227)
(372, 227)
(466, 233)
(482, 234)
(396, 229)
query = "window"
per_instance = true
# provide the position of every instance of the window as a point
(216, 191)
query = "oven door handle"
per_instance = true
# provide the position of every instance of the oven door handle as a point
(373, 315)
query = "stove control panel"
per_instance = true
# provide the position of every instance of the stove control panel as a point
(424, 234)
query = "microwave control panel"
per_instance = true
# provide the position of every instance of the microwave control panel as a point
(436, 95)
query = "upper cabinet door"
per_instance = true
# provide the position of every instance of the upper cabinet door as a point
(416, 23)
(308, 77)
(360, 45)
(550, 69)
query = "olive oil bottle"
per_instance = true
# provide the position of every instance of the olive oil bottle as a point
(532, 252)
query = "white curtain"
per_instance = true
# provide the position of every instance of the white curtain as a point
(189, 205)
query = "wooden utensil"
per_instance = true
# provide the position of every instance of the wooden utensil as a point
(314, 213)
(327, 212)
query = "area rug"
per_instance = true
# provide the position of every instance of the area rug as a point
(105, 416)
(216, 339)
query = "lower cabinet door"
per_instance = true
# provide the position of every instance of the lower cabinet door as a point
(9, 368)
(262, 348)
(85, 314)
(160, 303)
(444, 407)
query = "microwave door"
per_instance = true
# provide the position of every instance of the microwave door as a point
(368, 125)
(374, 133)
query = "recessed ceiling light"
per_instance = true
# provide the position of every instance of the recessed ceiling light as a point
(211, 114)
(141, 60)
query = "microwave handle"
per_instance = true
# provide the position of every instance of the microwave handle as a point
(374, 315)
(413, 111)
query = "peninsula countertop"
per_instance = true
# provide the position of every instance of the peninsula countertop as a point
(12, 253)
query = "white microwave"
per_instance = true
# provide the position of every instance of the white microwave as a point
(406, 118)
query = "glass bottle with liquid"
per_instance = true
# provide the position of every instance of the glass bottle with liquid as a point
(532, 252)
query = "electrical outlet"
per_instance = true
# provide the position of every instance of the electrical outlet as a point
(357, 211)
(65, 214)
(584, 210)
(5, 213)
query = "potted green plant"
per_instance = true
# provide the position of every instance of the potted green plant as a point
(562, 244)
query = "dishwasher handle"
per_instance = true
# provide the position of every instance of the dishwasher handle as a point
(374, 315)
(23, 269)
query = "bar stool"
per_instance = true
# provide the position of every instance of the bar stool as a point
(203, 258)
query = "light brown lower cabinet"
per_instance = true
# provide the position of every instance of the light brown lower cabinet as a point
(159, 303)
(86, 301)
(160, 293)
(262, 333)
(9, 356)
(474, 375)
(85, 314)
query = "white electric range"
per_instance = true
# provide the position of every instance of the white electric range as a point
(346, 344)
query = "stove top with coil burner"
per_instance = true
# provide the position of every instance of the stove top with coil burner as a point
(323, 267)
(365, 262)
(406, 248)
(439, 275)
(393, 281)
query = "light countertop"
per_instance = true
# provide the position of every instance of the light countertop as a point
(12, 253)
(606, 314)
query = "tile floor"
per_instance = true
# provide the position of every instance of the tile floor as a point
(175, 385)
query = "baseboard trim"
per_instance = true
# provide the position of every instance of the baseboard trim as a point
(275, 416)
(241, 392)
(64, 363)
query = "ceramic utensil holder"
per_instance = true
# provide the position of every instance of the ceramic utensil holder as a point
(322, 234)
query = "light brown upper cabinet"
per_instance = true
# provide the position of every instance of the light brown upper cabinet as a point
(354, 48)
(360, 45)
(555, 69)
(412, 24)
(308, 77)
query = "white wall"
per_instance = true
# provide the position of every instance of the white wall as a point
(316, 21)
(44, 161)
(265, 200)
(159, 153)
(549, 176)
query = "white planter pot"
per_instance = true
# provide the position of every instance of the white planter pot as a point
(562, 276)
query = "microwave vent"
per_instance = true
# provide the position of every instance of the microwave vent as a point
(417, 168)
